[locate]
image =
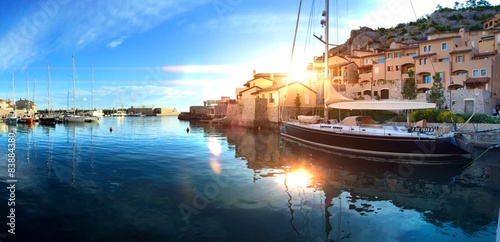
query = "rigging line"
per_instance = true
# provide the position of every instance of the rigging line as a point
(291, 58)
(309, 27)
(414, 13)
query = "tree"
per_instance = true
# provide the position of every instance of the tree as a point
(436, 95)
(483, 3)
(409, 89)
(457, 4)
(471, 3)
(297, 104)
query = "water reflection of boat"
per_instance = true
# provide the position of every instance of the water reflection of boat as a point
(356, 190)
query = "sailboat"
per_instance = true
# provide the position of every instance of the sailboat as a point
(27, 118)
(73, 118)
(93, 115)
(362, 135)
(48, 118)
(12, 117)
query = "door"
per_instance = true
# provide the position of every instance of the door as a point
(469, 106)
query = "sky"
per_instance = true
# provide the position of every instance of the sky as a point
(169, 53)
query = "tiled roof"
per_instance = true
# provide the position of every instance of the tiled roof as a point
(486, 54)
(477, 80)
(424, 55)
(460, 51)
(277, 87)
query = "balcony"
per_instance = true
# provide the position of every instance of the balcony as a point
(422, 85)
(365, 76)
(459, 80)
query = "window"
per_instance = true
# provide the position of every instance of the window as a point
(462, 74)
(381, 60)
(366, 61)
(420, 61)
(430, 48)
(444, 46)
(460, 58)
(397, 68)
(440, 76)
(411, 54)
(444, 60)
(389, 68)
(271, 99)
(475, 73)
(483, 72)
(427, 79)
(306, 99)
(389, 55)
(398, 55)
(425, 48)
(425, 61)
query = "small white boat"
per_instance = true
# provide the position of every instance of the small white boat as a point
(135, 114)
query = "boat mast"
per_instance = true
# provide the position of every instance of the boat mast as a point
(13, 94)
(48, 89)
(325, 81)
(73, 77)
(92, 87)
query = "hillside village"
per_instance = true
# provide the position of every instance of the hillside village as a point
(467, 62)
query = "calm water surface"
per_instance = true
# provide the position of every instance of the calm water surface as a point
(150, 180)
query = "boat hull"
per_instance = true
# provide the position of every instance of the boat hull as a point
(74, 119)
(27, 120)
(47, 120)
(407, 148)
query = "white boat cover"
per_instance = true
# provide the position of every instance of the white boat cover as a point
(308, 119)
(382, 105)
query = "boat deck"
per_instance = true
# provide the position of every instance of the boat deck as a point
(375, 129)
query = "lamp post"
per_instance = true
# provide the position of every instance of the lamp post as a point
(449, 88)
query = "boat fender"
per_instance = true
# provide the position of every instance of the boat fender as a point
(187, 130)
(110, 129)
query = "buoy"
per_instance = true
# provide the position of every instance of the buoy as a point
(110, 129)
(187, 130)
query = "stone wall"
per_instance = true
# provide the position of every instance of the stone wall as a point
(248, 113)
(483, 102)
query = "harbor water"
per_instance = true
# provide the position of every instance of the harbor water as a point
(151, 179)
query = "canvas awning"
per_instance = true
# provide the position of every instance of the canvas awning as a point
(382, 105)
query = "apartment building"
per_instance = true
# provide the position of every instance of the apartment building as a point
(467, 62)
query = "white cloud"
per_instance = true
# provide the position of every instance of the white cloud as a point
(116, 42)
(66, 26)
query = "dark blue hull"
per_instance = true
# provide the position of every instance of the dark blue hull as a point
(388, 146)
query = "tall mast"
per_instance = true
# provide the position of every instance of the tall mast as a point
(34, 90)
(13, 93)
(27, 87)
(48, 88)
(326, 81)
(92, 87)
(73, 77)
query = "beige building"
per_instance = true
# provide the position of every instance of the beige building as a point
(259, 81)
(467, 62)
(281, 100)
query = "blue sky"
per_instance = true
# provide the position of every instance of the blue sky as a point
(168, 53)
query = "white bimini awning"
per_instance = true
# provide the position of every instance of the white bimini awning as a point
(382, 105)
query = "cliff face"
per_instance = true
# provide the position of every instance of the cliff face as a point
(440, 21)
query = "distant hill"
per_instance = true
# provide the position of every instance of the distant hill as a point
(442, 20)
